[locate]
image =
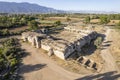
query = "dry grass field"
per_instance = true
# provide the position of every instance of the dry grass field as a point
(63, 19)
(95, 21)
(112, 22)
(72, 65)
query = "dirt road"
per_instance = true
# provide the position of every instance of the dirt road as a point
(37, 66)
(109, 64)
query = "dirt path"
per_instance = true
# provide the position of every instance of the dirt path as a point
(38, 66)
(32, 68)
(109, 64)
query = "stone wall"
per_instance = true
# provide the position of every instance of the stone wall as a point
(61, 48)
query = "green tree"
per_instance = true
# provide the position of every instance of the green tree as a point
(33, 25)
(57, 23)
(104, 19)
(87, 19)
(6, 32)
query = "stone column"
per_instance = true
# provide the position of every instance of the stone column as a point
(33, 42)
(50, 53)
(38, 45)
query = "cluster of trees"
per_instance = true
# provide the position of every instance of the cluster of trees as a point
(104, 18)
(53, 15)
(33, 25)
(4, 32)
(10, 54)
(87, 19)
(110, 16)
(15, 20)
(57, 23)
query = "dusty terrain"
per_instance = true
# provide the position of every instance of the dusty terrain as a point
(18, 29)
(106, 54)
(115, 47)
(38, 66)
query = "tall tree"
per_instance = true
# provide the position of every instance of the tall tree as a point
(33, 25)
(104, 19)
(87, 19)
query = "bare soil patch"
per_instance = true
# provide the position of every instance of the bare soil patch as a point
(18, 29)
(115, 47)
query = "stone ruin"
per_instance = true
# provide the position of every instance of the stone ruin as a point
(87, 63)
(62, 44)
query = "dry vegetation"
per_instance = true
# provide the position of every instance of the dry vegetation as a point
(95, 21)
(96, 57)
(72, 65)
(63, 19)
(113, 22)
(99, 28)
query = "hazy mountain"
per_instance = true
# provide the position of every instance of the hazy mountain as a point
(93, 12)
(12, 7)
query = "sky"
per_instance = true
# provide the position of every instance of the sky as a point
(94, 5)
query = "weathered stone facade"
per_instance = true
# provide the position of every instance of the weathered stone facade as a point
(62, 44)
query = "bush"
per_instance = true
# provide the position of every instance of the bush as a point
(87, 19)
(98, 42)
(68, 19)
(4, 32)
(57, 23)
(33, 25)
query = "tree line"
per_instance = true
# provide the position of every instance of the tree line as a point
(104, 18)
(15, 21)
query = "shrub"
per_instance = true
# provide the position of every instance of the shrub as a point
(57, 23)
(98, 42)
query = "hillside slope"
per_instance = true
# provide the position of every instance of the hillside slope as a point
(12, 7)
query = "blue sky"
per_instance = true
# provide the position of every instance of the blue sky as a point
(97, 5)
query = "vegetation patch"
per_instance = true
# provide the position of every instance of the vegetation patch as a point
(10, 57)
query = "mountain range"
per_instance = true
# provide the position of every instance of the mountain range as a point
(13, 7)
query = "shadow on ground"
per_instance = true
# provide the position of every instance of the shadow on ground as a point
(104, 76)
(24, 53)
(105, 45)
(28, 69)
(31, 68)
(89, 49)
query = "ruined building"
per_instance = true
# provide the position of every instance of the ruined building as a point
(62, 44)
